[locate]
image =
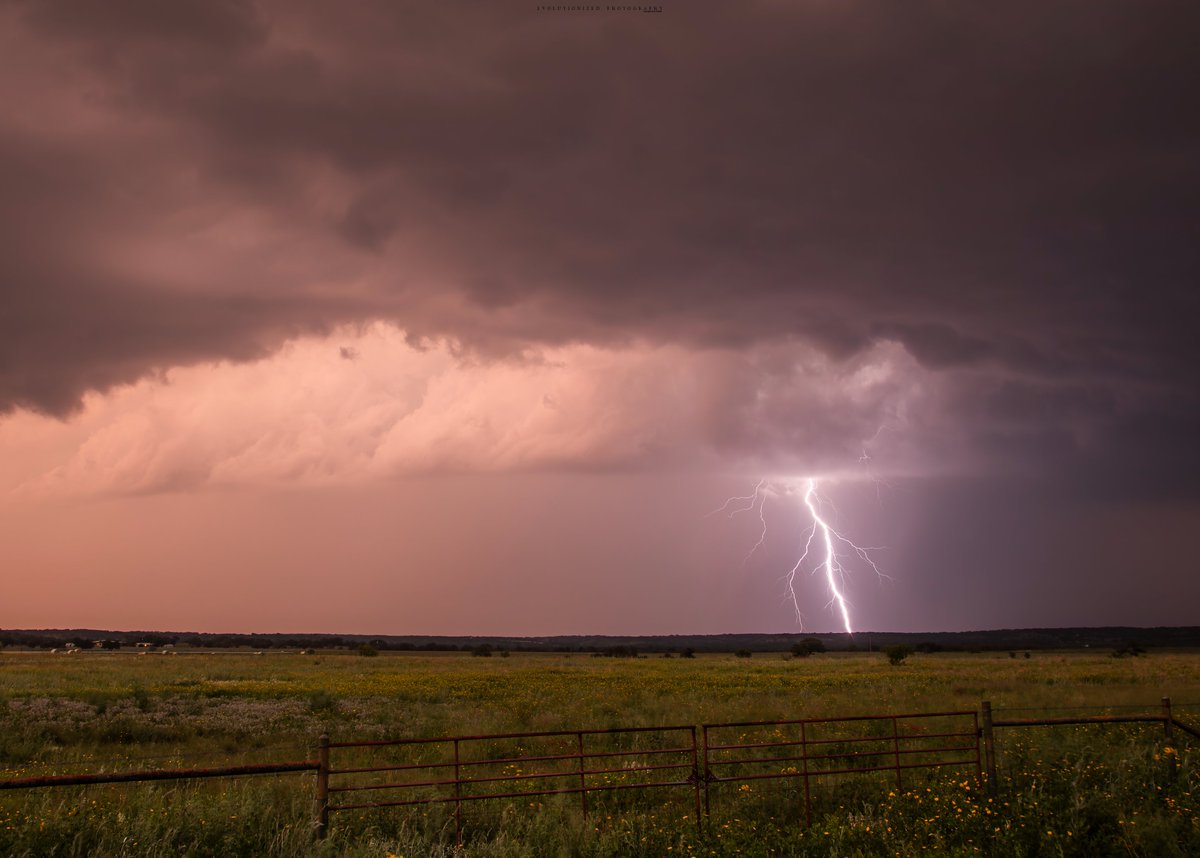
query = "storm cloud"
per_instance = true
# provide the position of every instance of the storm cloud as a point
(1002, 200)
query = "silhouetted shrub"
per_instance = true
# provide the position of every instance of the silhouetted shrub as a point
(806, 647)
(1129, 648)
(620, 651)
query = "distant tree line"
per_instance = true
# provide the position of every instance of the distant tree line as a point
(36, 640)
(1008, 640)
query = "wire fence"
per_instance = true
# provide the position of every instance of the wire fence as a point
(1165, 717)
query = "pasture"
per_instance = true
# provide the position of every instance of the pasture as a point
(1111, 790)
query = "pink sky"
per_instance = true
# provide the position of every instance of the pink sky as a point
(459, 318)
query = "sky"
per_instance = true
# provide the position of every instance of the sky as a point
(464, 318)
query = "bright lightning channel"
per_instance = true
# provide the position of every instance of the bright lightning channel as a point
(831, 564)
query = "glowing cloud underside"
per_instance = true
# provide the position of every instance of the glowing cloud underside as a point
(828, 541)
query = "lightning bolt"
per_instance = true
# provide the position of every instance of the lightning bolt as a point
(866, 459)
(828, 540)
(758, 499)
(753, 499)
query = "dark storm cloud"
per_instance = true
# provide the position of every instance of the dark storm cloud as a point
(1008, 191)
(71, 323)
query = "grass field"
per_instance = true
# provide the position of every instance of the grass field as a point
(1119, 790)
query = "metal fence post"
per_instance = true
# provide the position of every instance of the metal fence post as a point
(582, 776)
(696, 779)
(457, 796)
(321, 799)
(978, 760)
(1166, 707)
(989, 747)
(896, 750)
(804, 759)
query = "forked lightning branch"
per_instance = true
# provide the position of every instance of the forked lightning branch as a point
(826, 550)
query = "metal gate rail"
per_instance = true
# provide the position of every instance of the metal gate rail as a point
(467, 769)
(901, 739)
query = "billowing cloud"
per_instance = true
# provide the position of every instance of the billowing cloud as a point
(993, 207)
(307, 415)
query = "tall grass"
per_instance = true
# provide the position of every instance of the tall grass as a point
(1113, 790)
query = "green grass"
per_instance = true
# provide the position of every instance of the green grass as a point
(1118, 790)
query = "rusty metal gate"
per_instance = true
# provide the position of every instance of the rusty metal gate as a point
(810, 749)
(460, 769)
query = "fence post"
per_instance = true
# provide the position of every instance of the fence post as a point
(804, 758)
(1166, 708)
(978, 760)
(457, 797)
(896, 750)
(696, 779)
(989, 747)
(321, 799)
(582, 776)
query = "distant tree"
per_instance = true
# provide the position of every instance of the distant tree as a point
(483, 650)
(897, 653)
(367, 650)
(688, 652)
(806, 647)
(743, 653)
(620, 651)
(1129, 648)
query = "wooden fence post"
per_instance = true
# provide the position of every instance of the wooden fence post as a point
(1166, 709)
(989, 748)
(321, 799)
